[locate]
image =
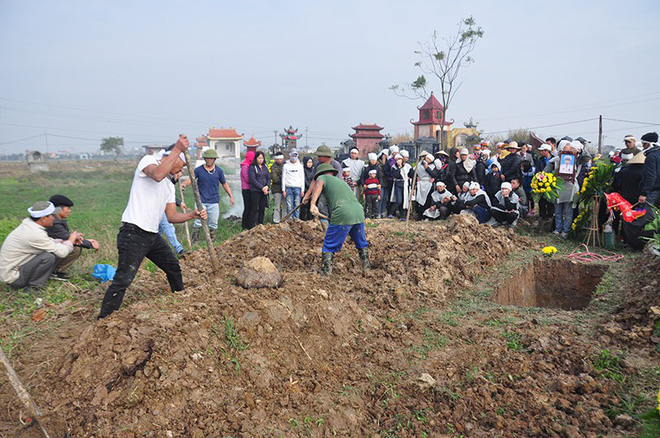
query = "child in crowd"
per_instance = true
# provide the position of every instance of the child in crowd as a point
(371, 194)
(346, 176)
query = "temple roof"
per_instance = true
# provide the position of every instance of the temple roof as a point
(367, 134)
(216, 134)
(252, 142)
(431, 103)
(364, 127)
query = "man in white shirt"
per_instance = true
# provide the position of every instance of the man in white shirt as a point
(293, 182)
(28, 256)
(152, 193)
(356, 165)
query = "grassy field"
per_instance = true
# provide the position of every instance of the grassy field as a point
(99, 191)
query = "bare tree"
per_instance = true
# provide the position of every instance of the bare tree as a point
(445, 65)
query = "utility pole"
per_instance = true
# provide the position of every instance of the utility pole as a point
(600, 134)
(46, 139)
(306, 137)
(275, 132)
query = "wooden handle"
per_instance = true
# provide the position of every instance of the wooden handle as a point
(200, 207)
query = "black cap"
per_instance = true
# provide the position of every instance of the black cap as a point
(650, 137)
(61, 201)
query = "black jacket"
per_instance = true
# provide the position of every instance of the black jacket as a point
(651, 175)
(365, 172)
(511, 167)
(480, 172)
(479, 200)
(627, 182)
(60, 230)
(259, 177)
(309, 172)
(461, 175)
(493, 183)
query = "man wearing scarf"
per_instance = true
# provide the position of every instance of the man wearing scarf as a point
(476, 203)
(400, 195)
(356, 166)
(441, 200)
(424, 183)
(505, 207)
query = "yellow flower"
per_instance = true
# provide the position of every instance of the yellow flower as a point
(551, 250)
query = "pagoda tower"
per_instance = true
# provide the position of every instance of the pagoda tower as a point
(367, 138)
(290, 138)
(252, 144)
(430, 120)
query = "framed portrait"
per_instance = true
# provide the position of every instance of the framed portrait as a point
(567, 167)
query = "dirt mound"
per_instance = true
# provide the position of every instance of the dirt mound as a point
(632, 322)
(323, 357)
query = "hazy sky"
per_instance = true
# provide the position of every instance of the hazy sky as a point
(148, 70)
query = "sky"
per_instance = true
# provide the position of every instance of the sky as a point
(73, 72)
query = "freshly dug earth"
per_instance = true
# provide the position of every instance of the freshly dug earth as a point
(341, 356)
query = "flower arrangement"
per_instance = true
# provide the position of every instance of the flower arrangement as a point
(549, 250)
(597, 182)
(546, 185)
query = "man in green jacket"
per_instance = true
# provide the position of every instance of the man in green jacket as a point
(347, 217)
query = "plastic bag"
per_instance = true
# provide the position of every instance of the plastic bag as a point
(104, 272)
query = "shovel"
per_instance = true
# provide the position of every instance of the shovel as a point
(185, 223)
(22, 392)
(200, 207)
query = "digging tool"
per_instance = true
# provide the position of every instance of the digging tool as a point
(22, 392)
(200, 207)
(185, 223)
(412, 193)
(288, 215)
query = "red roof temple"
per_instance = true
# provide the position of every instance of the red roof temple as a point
(366, 138)
(252, 144)
(290, 137)
(430, 117)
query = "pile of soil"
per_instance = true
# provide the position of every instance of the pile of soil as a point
(632, 322)
(329, 357)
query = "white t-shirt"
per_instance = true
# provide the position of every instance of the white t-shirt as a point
(148, 198)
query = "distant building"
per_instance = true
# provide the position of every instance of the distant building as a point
(226, 142)
(290, 138)
(430, 120)
(367, 138)
(252, 144)
(36, 161)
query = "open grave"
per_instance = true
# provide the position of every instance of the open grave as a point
(551, 283)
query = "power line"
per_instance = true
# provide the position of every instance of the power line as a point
(21, 139)
(632, 121)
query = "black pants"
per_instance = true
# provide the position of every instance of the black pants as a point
(546, 208)
(133, 245)
(371, 206)
(257, 208)
(503, 217)
(247, 207)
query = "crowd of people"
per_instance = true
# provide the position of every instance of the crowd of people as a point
(494, 186)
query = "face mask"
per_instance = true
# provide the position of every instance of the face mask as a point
(294, 159)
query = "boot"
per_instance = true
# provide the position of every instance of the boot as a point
(195, 235)
(327, 258)
(212, 233)
(364, 258)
